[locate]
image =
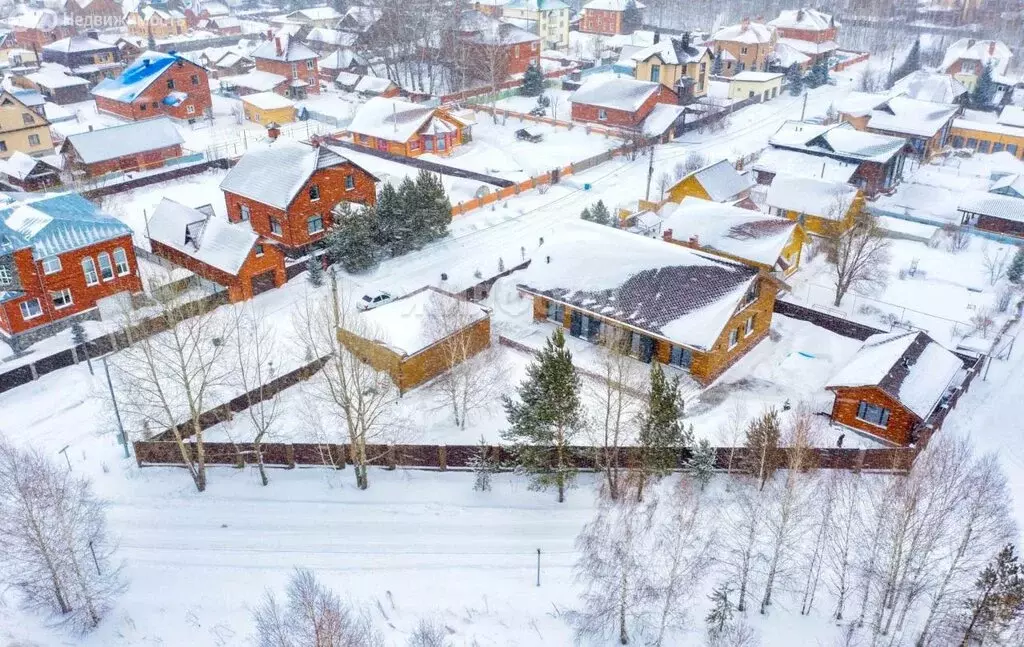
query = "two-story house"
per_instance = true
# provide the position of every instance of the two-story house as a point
(492, 49)
(611, 17)
(33, 28)
(94, 14)
(157, 84)
(967, 58)
(288, 190)
(84, 56)
(288, 57)
(22, 129)
(808, 31)
(159, 23)
(549, 19)
(744, 46)
(59, 254)
(676, 64)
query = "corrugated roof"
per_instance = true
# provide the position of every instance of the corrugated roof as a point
(616, 93)
(138, 76)
(52, 224)
(128, 139)
(994, 205)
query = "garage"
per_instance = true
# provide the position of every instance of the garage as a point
(263, 282)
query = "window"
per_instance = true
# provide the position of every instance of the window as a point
(27, 119)
(275, 227)
(602, 114)
(243, 212)
(967, 67)
(997, 147)
(749, 328)
(142, 107)
(441, 143)
(315, 224)
(195, 79)
(655, 73)
(6, 278)
(516, 50)
(33, 140)
(972, 143)
(258, 249)
(61, 298)
(873, 414)
(121, 262)
(154, 105)
(170, 84)
(295, 70)
(106, 269)
(314, 192)
(428, 143)
(89, 269)
(734, 338)
(752, 293)
(51, 265)
(1011, 149)
(681, 357)
(958, 142)
(556, 312)
(3, 146)
(983, 146)
(309, 64)
(750, 94)
(743, 50)
(30, 309)
(190, 109)
(350, 182)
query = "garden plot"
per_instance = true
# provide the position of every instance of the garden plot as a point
(948, 295)
(559, 107)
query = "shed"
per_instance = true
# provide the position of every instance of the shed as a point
(763, 86)
(268, 107)
(131, 147)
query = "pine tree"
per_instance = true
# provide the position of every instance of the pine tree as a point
(599, 214)
(702, 462)
(984, 89)
(717, 65)
(546, 417)
(316, 271)
(721, 612)
(913, 62)
(413, 217)
(586, 215)
(998, 599)
(533, 82)
(437, 208)
(351, 240)
(1016, 271)
(392, 224)
(661, 433)
(483, 466)
(79, 338)
(632, 17)
(795, 79)
(762, 445)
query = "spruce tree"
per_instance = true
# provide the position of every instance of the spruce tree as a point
(413, 217)
(702, 462)
(437, 208)
(795, 79)
(79, 338)
(998, 599)
(392, 225)
(586, 215)
(984, 89)
(720, 616)
(533, 82)
(661, 434)
(351, 240)
(632, 17)
(717, 65)
(546, 416)
(762, 445)
(1016, 270)
(316, 271)
(483, 466)
(599, 214)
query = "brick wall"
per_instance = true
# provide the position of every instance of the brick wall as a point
(601, 21)
(622, 118)
(1000, 226)
(301, 71)
(808, 35)
(138, 162)
(239, 286)
(150, 103)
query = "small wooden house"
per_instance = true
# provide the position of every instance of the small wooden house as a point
(268, 107)
(717, 182)
(402, 128)
(818, 205)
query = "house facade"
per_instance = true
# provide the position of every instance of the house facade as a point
(157, 84)
(408, 129)
(35, 28)
(288, 190)
(967, 58)
(1006, 134)
(716, 182)
(26, 173)
(131, 147)
(94, 14)
(159, 23)
(547, 18)
(287, 57)
(808, 31)
(761, 86)
(56, 271)
(747, 46)
(84, 56)
(676, 64)
(265, 108)
(22, 129)
(609, 17)
(55, 86)
(492, 49)
(622, 103)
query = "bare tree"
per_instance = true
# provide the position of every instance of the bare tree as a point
(53, 540)
(846, 517)
(255, 347)
(348, 393)
(860, 255)
(616, 391)
(472, 382)
(665, 183)
(958, 237)
(822, 508)
(694, 161)
(311, 616)
(429, 633)
(995, 263)
(168, 380)
(744, 532)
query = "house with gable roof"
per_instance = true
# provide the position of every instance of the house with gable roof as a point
(135, 146)
(619, 102)
(808, 31)
(26, 173)
(229, 254)
(409, 129)
(677, 64)
(157, 84)
(288, 57)
(697, 312)
(926, 85)
(925, 125)
(33, 28)
(549, 19)
(59, 255)
(893, 384)
(94, 14)
(84, 56)
(966, 58)
(22, 128)
(494, 49)
(288, 190)
(748, 45)
(149, 21)
(717, 182)
(819, 206)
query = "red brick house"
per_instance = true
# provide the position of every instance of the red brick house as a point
(287, 191)
(893, 384)
(94, 14)
(808, 31)
(494, 49)
(156, 84)
(27, 173)
(58, 255)
(229, 254)
(132, 147)
(620, 102)
(288, 57)
(609, 17)
(34, 28)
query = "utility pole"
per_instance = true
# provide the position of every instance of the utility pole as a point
(803, 109)
(650, 173)
(117, 412)
(538, 567)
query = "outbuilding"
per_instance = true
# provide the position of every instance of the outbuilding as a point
(268, 107)
(131, 147)
(761, 86)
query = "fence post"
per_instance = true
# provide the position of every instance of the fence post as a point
(858, 463)
(392, 463)
(289, 455)
(442, 457)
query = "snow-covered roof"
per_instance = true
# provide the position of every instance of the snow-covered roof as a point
(609, 5)
(391, 119)
(215, 8)
(369, 84)
(838, 140)
(268, 101)
(77, 43)
(809, 19)
(672, 51)
(31, 98)
(783, 161)
(616, 93)
(985, 51)
(340, 59)
(148, 12)
(21, 165)
(787, 56)
(912, 117)
(138, 76)
(290, 50)
(926, 85)
(757, 77)
(909, 366)
(811, 196)
(52, 224)
(994, 205)
(1011, 184)
(742, 233)
(662, 117)
(211, 240)
(988, 127)
(128, 139)
(42, 19)
(721, 181)
(331, 37)
(482, 29)
(229, 59)
(50, 78)
(1012, 116)
(680, 294)
(362, 17)
(316, 13)
(405, 325)
(225, 22)
(537, 5)
(255, 80)
(275, 175)
(745, 32)
(808, 47)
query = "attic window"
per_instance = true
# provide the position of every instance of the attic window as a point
(314, 192)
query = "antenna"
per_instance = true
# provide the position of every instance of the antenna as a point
(394, 116)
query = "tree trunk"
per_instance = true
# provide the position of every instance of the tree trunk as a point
(623, 636)
(257, 446)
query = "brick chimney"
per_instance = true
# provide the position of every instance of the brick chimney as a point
(667, 235)
(270, 34)
(695, 242)
(277, 44)
(991, 47)
(744, 24)
(273, 130)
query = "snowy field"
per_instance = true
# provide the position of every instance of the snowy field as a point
(560, 107)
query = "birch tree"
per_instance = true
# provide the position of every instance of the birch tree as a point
(743, 536)
(614, 421)
(859, 255)
(845, 516)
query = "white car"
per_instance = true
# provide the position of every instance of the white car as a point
(373, 299)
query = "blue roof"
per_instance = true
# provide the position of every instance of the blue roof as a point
(55, 223)
(136, 77)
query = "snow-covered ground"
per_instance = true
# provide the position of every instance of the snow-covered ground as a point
(560, 107)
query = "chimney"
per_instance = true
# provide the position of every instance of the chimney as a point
(90, 127)
(145, 62)
(667, 235)
(744, 24)
(657, 37)
(970, 43)
(270, 34)
(991, 47)
(695, 242)
(273, 130)
(277, 44)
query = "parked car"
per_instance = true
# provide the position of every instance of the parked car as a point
(529, 134)
(373, 299)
